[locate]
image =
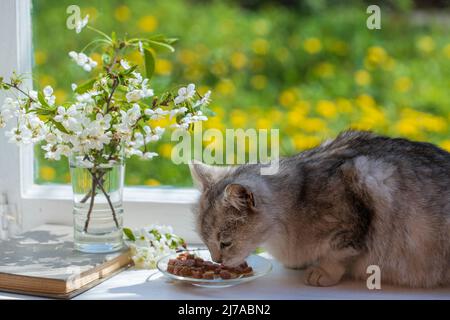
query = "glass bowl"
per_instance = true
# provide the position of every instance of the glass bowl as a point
(260, 265)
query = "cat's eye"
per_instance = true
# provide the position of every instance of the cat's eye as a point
(225, 244)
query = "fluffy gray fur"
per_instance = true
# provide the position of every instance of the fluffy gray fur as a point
(355, 201)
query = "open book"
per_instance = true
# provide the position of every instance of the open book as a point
(43, 262)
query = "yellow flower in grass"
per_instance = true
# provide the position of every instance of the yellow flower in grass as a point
(302, 106)
(312, 45)
(47, 173)
(312, 125)
(275, 115)
(420, 121)
(225, 87)
(260, 46)
(326, 108)
(434, 123)
(365, 100)
(40, 57)
(163, 67)
(302, 142)
(148, 23)
(425, 44)
(263, 123)
(45, 79)
(403, 84)
(296, 117)
(339, 47)
(219, 68)
(187, 57)
(362, 78)
(152, 182)
(287, 97)
(446, 51)
(407, 127)
(445, 145)
(258, 81)
(344, 105)
(60, 95)
(238, 60)
(371, 116)
(324, 70)
(165, 150)
(238, 119)
(122, 13)
(376, 56)
(193, 72)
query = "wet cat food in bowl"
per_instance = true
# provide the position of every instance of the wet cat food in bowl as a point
(188, 264)
(196, 267)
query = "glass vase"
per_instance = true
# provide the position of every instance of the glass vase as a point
(97, 205)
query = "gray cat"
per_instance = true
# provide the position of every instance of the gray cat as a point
(355, 201)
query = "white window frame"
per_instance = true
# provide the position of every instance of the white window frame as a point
(37, 204)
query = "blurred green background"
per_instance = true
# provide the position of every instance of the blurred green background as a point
(309, 68)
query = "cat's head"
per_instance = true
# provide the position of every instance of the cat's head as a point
(230, 215)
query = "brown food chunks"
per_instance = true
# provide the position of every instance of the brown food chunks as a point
(189, 265)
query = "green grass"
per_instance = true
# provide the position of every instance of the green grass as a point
(263, 71)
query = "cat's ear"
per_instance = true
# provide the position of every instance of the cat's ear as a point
(239, 197)
(204, 175)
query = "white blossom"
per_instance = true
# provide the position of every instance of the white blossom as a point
(83, 60)
(68, 118)
(152, 243)
(185, 93)
(156, 114)
(48, 95)
(81, 23)
(125, 64)
(204, 101)
(149, 155)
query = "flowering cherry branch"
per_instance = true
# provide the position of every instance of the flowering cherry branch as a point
(112, 113)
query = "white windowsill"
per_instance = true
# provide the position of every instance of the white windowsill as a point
(280, 284)
(131, 194)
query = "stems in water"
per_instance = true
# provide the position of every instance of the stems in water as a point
(91, 204)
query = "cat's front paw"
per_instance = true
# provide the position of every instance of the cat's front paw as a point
(317, 277)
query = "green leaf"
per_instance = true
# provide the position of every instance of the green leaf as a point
(44, 112)
(129, 234)
(171, 40)
(59, 126)
(149, 63)
(85, 86)
(42, 100)
(159, 45)
(130, 70)
(207, 112)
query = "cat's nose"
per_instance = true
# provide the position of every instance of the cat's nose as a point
(217, 259)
